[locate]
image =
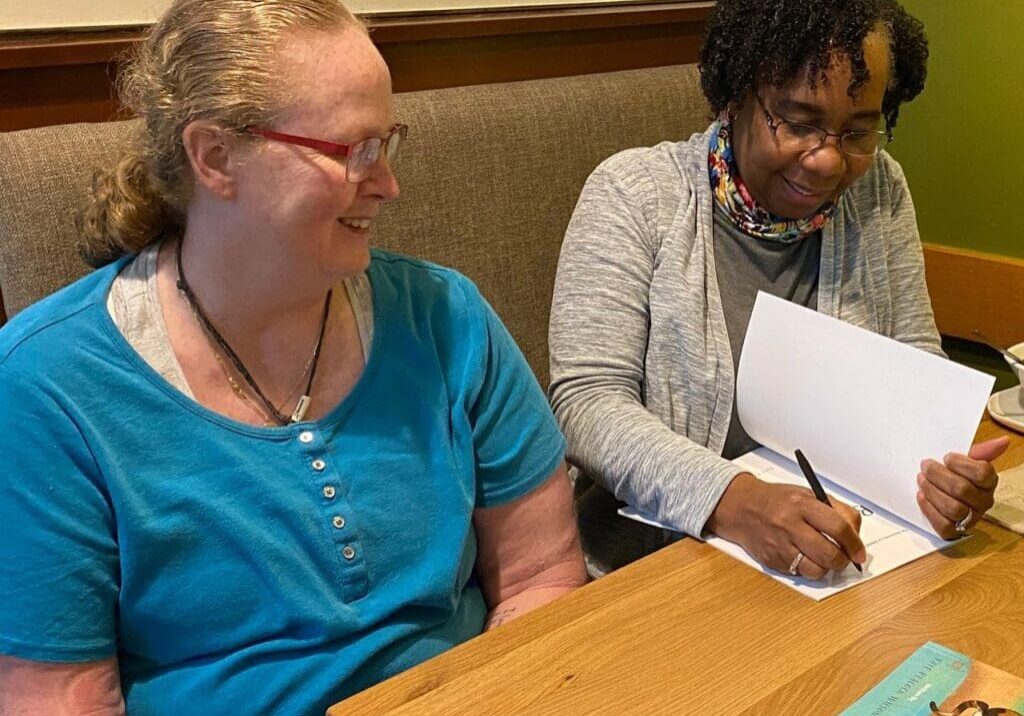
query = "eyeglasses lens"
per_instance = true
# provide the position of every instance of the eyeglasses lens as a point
(863, 144)
(365, 154)
(805, 138)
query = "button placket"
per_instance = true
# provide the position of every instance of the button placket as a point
(336, 511)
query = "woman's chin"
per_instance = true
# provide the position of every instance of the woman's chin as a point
(350, 250)
(351, 261)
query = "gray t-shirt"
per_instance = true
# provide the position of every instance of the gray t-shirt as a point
(745, 265)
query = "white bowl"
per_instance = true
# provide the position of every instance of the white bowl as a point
(1017, 350)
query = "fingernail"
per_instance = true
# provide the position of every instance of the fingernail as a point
(924, 465)
(920, 480)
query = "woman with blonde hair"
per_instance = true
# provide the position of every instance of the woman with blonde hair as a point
(251, 463)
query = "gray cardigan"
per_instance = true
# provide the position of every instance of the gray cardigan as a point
(642, 374)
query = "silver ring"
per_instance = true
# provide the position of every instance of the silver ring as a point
(961, 525)
(794, 566)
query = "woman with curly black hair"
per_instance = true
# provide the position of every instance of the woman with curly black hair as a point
(789, 192)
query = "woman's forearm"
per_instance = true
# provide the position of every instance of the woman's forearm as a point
(526, 601)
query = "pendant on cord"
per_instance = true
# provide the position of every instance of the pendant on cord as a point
(300, 409)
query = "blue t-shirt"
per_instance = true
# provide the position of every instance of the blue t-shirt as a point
(276, 570)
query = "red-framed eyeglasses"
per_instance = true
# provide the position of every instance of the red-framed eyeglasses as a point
(360, 157)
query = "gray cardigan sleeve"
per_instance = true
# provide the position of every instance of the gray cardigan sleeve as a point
(600, 317)
(913, 321)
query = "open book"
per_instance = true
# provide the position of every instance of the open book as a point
(865, 410)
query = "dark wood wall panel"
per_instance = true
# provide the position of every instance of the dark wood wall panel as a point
(56, 78)
(59, 77)
(40, 96)
(431, 64)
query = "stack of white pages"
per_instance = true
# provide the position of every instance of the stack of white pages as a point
(865, 410)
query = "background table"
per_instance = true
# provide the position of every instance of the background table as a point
(690, 630)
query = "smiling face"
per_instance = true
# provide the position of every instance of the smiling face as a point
(796, 185)
(298, 204)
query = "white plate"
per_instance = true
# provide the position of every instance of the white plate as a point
(1007, 406)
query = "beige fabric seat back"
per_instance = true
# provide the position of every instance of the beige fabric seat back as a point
(489, 179)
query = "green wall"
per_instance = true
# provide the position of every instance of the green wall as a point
(962, 141)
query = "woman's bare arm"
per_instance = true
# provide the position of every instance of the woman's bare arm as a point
(30, 688)
(529, 550)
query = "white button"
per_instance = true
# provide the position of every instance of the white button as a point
(305, 437)
(348, 553)
(329, 492)
(338, 520)
(319, 465)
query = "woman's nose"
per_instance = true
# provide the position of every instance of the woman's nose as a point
(827, 160)
(382, 182)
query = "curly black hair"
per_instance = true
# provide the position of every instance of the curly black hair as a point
(751, 43)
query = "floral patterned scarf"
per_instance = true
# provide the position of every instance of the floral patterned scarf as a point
(733, 198)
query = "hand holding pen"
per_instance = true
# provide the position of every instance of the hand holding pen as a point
(819, 494)
(785, 528)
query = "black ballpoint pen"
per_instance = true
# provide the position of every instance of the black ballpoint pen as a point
(819, 492)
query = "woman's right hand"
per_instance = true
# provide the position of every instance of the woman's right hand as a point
(774, 523)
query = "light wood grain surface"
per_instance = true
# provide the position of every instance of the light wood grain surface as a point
(690, 630)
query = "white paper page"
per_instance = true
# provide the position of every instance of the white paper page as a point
(890, 542)
(865, 409)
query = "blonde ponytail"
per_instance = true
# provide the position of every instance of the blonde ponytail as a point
(125, 212)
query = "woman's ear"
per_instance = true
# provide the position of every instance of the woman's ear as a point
(212, 153)
(735, 108)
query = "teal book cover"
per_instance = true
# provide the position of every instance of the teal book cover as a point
(955, 683)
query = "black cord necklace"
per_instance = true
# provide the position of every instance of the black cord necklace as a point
(304, 401)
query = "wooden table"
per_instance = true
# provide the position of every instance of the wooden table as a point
(690, 630)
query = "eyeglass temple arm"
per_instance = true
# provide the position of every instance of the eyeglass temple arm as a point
(341, 150)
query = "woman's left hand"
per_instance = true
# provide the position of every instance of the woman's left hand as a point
(961, 488)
